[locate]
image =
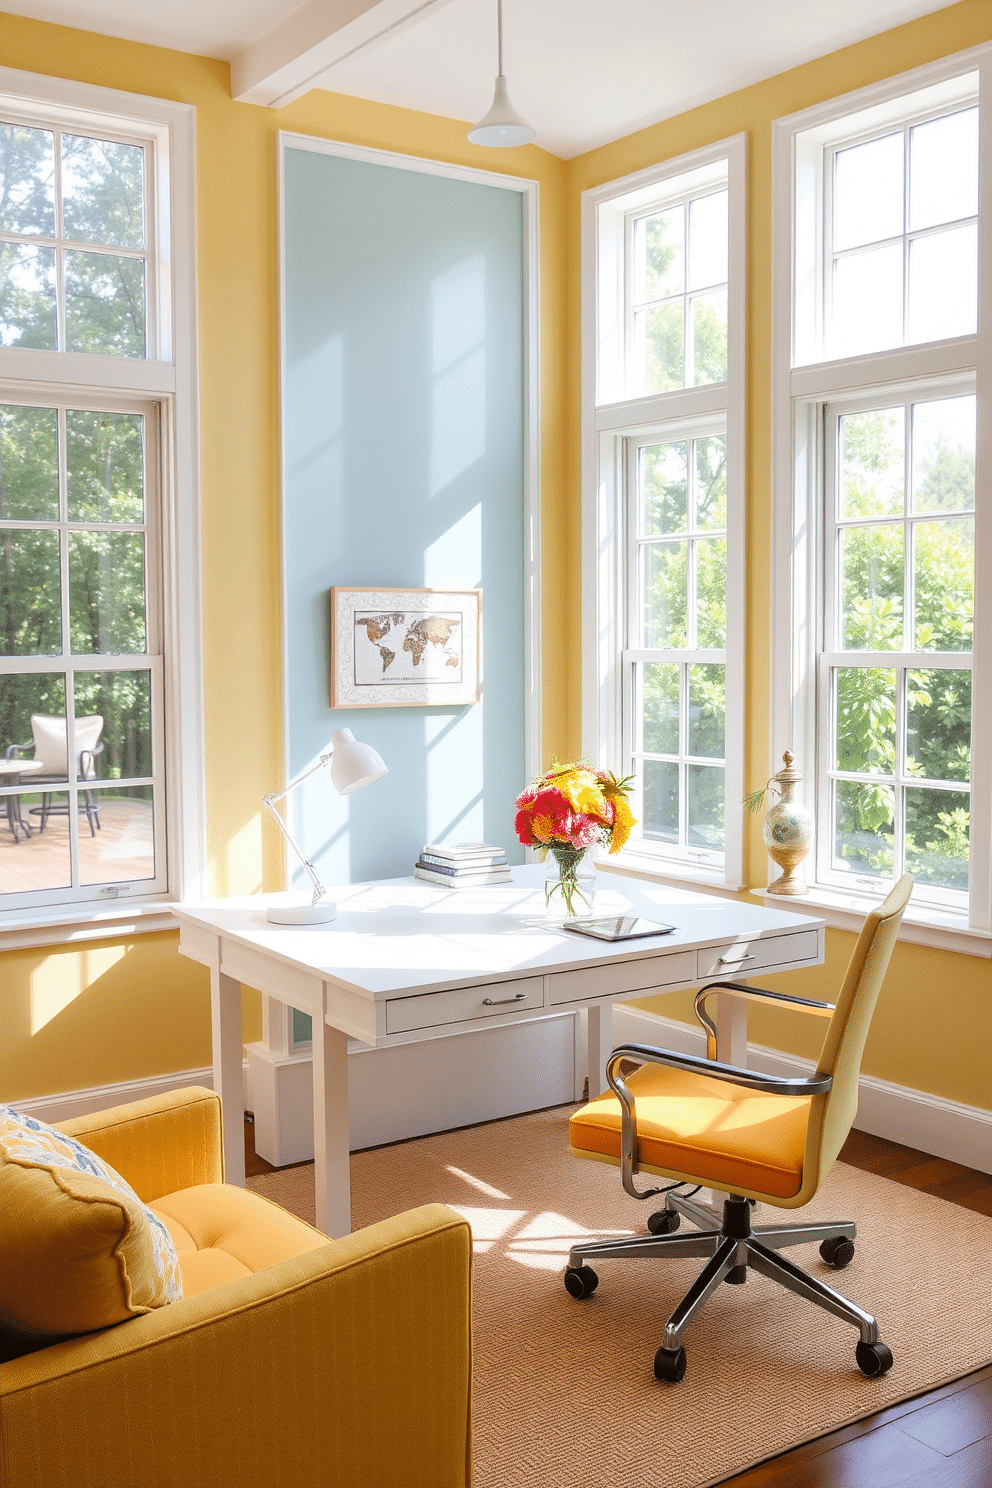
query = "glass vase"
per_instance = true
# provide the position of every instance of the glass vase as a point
(569, 883)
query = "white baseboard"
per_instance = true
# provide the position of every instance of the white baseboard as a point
(70, 1103)
(944, 1128)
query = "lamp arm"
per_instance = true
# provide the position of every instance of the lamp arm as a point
(270, 800)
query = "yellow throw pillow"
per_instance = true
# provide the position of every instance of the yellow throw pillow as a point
(79, 1251)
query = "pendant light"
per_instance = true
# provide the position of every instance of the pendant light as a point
(502, 125)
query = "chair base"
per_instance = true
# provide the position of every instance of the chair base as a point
(731, 1247)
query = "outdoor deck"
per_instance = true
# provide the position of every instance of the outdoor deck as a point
(120, 849)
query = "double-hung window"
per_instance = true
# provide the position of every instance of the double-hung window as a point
(99, 631)
(882, 420)
(663, 510)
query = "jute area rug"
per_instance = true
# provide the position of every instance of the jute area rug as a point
(565, 1396)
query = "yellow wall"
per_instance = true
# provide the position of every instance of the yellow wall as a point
(933, 1027)
(110, 1012)
(137, 1008)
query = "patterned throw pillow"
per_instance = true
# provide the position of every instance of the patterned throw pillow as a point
(79, 1251)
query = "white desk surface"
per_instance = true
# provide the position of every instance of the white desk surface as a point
(407, 935)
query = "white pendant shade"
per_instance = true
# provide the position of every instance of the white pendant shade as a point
(502, 125)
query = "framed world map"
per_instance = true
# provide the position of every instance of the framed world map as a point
(396, 648)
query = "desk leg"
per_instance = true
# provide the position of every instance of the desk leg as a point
(731, 1030)
(225, 1010)
(599, 1045)
(332, 1159)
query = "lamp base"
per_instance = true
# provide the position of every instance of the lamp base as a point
(302, 914)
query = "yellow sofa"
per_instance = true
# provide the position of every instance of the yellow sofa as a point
(290, 1360)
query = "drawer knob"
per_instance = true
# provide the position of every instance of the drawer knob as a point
(733, 960)
(498, 1001)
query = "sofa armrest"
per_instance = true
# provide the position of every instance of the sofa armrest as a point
(349, 1365)
(159, 1145)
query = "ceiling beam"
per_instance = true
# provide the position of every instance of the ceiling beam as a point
(291, 58)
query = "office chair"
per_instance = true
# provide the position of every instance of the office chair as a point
(753, 1137)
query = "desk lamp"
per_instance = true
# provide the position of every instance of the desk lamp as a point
(353, 766)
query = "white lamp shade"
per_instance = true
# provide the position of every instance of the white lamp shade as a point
(502, 126)
(353, 764)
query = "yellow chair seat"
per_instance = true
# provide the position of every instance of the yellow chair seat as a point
(689, 1125)
(221, 1232)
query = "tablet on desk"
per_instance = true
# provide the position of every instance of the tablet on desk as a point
(618, 927)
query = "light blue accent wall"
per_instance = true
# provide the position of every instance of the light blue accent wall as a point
(403, 466)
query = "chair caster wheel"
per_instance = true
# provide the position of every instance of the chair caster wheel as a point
(669, 1365)
(874, 1359)
(664, 1222)
(837, 1252)
(581, 1281)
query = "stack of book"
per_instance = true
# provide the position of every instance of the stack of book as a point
(460, 865)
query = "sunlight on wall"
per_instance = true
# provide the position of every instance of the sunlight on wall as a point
(60, 979)
(454, 796)
(243, 849)
(458, 322)
(458, 551)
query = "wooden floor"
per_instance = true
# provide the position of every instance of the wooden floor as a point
(939, 1440)
(121, 847)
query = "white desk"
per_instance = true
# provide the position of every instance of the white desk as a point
(406, 960)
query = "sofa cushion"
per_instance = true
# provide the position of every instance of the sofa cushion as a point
(221, 1232)
(79, 1251)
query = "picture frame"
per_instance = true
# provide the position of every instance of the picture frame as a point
(405, 648)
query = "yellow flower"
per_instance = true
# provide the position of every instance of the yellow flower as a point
(623, 820)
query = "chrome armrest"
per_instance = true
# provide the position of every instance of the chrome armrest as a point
(639, 1054)
(13, 750)
(741, 989)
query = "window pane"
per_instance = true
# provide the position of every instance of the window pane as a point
(938, 726)
(708, 319)
(865, 699)
(30, 606)
(106, 470)
(105, 304)
(711, 592)
(710, 458)
(872, 463)
(116, 835)
(937, 834)
(863, 834)
(664, 484)
(943, 284)
(708, 239)
(21, 695)
(943, 170)
(867, 301)
(944, 455)
(102, 195)
(27, 297)
(659, 255)
(945, 585)
(664, 589)
(872, 562)
(27, 180)
(661, 800)
(122, 701)
(39, 859)
(660, 704)
(704, 786)
(868, 188)
(106, 592)
(707, 711)
(659, 340)
(29, 468)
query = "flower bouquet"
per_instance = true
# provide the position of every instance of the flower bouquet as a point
(570, 809)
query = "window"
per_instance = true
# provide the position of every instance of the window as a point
(663, 263)
(879, 416)
(99, 663)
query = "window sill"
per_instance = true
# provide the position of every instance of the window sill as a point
(666, 871)
(921, 925)
(69, 924)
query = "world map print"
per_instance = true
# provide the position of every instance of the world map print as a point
(407, 647)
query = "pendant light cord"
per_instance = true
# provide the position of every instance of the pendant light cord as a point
(499, 33)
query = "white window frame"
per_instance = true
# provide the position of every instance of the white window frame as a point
(802, 386)
(609, 419)
(166, 379)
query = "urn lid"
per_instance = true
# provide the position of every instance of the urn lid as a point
(788, 776)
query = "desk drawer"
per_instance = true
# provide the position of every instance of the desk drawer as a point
(647, 975)
(463, 1004)
(746, 956)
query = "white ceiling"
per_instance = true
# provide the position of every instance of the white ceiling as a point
(581, 71)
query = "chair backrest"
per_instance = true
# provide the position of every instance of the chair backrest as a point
(50, 745)
(832, 1115)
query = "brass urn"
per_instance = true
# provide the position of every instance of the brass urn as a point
(787, 830)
